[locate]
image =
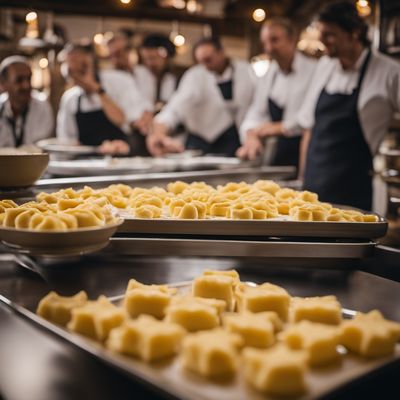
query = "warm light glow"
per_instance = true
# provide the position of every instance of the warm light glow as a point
(179, 40)
(191, 6)
(363, 8)
(98, 38)
(43, 63)
(179, 4)
(32, 16)
(259, 15)
(126, 1)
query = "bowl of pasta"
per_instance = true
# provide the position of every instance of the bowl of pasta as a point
(49, 229)
(20, 168)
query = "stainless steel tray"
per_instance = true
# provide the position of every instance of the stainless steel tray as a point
(126, 165)
(183, 247)
(262, 228)
(168, 377)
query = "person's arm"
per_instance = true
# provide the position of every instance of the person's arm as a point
(90, 85)
(67, 129)
(159, 143)
(305, 141)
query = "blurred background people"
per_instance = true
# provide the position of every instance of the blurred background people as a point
(279, 95)
(348, 110)
(25, 118)
(101, 105)
(211, 101)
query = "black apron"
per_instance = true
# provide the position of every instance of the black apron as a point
(287, 149)
(18, 138)
(228, 142)
(94, 127)
(339, 161)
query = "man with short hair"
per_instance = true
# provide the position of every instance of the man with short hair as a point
(25, 118)
(348, 109)
(211, 101)
(279, 95)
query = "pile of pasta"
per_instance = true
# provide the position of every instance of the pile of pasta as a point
(221, 327)
(63, 215)
(71, 209)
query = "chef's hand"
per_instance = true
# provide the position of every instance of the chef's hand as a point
(114, 147)
(252, 147)
(158, 145)
(269, 129)
(85, 78)
(144, 123)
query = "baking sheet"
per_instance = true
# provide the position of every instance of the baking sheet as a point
(263, 228)
(168, 377)
(125, 165)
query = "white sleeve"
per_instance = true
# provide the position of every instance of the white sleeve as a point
(257, 113)
(47, 121)
(132, 103)
(67, 128)
(183, 101)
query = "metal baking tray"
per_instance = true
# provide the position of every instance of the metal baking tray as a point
(126, 165)
(262, 228)
(168, 377)
(183, 247)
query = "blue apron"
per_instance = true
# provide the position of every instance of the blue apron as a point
(228, 142)
(339, 161)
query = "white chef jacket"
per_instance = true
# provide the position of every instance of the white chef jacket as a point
(147, 84)
(121, 88)
(200, 106)
(379, 95)
(39, 123)
(287, 90)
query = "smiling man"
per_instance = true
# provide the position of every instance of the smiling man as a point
(24, 117)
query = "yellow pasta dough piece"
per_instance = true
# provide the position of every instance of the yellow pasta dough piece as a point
(285, 195)
(64, 204)
(96, 319)
(256, 330)
(57, 309)
(211, 353)
(319, 340)
(215, 287)
(370, 334)
(69, 220)
(40, 222)
(278, 371)
(22, 220)
(220, 209)
(217, 304)
(265, 297)
(11, 214)
(86, 218)
(4, 204)
(267, 186)
(134, 284)
(307, 196)
(193, 316)
(146, 338)
(370, 218)
(187, 211)
(177, 187)
(325, 309)
(148, 211)
(232, 273)
(146, 301)
(240, 211)
(47, 198)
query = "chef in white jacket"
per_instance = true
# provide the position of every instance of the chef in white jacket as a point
(25, 118)
(211, 101)
(153, 75)
(279, 95)
(101, 106)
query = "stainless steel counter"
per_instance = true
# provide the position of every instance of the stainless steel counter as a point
(37, 365)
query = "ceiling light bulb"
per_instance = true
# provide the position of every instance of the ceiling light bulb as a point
(98, 38)
(259, 15)
(32, 16)
(179, 40)
(43, 63)
(126, 1)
